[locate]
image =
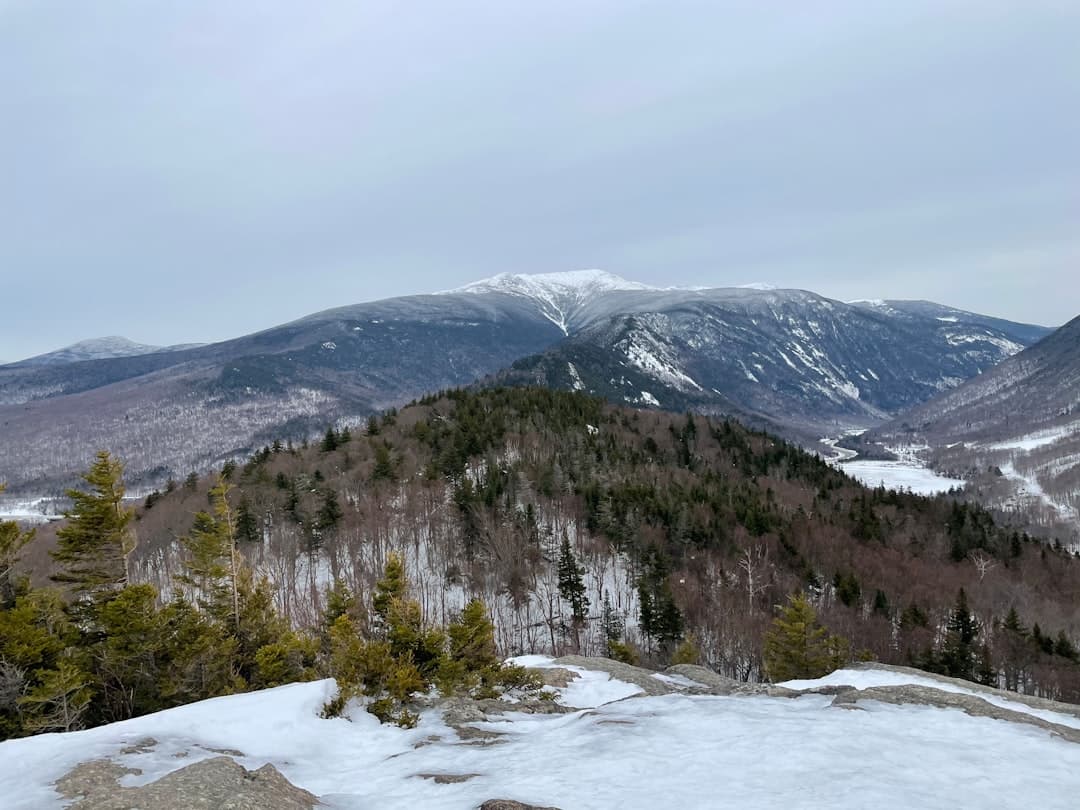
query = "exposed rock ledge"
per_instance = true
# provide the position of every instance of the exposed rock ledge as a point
(220, 783)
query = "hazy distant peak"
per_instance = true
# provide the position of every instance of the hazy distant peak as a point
(100, 348)
(759, 285)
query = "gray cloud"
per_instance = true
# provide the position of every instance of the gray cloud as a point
(192, 171)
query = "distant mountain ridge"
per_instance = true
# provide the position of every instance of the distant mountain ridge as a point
(785, 355)
(102, 348)
(789, 358)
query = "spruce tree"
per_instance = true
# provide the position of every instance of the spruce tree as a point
(60, 701)
(12, 541)
(330, 441)
(212, 564)
(247, 525)
(330, 511)
(571, 585)
(798, 646)
(94, 545)
(958, 655)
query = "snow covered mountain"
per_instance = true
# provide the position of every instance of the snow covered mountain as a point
(560, 297)
(789, 357)
(102, 348)
(784, 357)
(631, 739)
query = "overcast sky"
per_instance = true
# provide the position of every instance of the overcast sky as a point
(191, 171)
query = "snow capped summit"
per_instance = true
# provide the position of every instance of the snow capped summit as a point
(579, 281)
(557, 294)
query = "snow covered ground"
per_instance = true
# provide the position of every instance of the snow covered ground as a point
(36, 510)
(677, 750)
(1033, 441)
(907, 472)
(900, 475)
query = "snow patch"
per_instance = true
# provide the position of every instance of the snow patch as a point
(575, 378)
(649, 399)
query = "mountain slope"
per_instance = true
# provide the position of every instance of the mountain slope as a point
(790, 359)
(1019, 420)
(170, 413)
(793, 357)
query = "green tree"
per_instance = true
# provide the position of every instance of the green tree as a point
(12, 541)
(472, 657)
(247, 525)
(330, 512)
(798, 646)
(125, 660)
(330, 441)
(660, 618)
(571, 585)
(94, 545)
(198, 653)
(959, 657)
(60, 701)
(212, 562)
(384, 469)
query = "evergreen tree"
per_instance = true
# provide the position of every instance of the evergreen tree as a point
(125, 660)
(958, 655)
(330, 441)
(60, 701)
(12, 541)
(198, 655)
(384, 468)
(610, 621)
(292, 503)
(1064, 647)
(881, 603)
(247, 525)
(388, 590)
(212, 564)
(660, 618)
(798, 646)
(330, 511)
(571, 585)
(94, 545)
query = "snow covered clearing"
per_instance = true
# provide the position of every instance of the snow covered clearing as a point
(900, 475)
(1034, 441)
(1029, 487)
(676, 750)
(908, 472)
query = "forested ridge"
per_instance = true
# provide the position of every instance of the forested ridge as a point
(577, 526)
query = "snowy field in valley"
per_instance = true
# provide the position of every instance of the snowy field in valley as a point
(902, 474)
(676, 750)
(38, 510)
